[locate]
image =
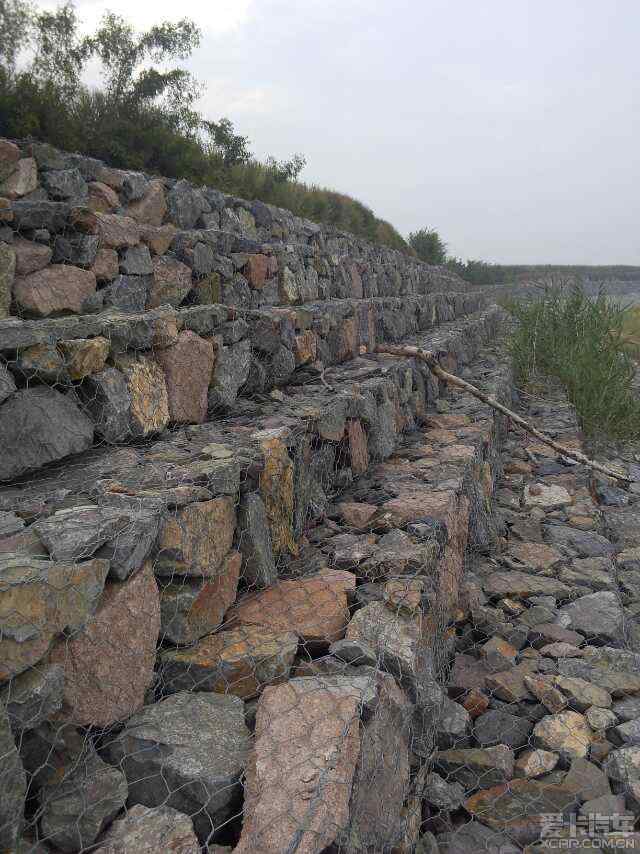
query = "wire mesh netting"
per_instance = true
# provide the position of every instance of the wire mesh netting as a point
(264, 590)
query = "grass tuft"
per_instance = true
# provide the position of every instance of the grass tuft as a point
(585, 343)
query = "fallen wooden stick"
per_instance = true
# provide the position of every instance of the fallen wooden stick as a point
(430, 360)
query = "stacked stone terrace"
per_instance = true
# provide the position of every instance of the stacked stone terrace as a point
(196, 646)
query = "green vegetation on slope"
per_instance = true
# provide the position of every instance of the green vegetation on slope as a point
(580, 341)
(144, 117)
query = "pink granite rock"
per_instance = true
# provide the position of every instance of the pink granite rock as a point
(109, 665)
(187, 369)
(56, 289)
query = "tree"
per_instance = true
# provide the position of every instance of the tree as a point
(428, 245)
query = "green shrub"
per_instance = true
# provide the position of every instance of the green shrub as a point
(580, 341)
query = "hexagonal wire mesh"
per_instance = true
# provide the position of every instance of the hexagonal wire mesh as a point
(234, 611)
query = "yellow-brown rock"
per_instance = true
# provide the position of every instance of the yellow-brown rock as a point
(102, 198)
(38, 600)
(315, 608)
(196, 539)
(276, 490)
(84, 356)
(241, 662)
(152, 207)
(148, 391)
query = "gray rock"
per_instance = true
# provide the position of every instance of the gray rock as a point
(145, 830)
(75, 810)
(574, 542)
(80, 250)
(627, 709)
(476, 768)
(472, 837)
(106, 398)
(623, 766)
(586, 780)
(254, 541)
(186, 204)
(623, 526)
(10, 523)
(187, 752)
(497, 727)
(127, 550)
(7, 384)
(29, 215)
(136, 261)
(33, 696)
(63, 184)
(597, 615)
(353, 652)
(616, 682)
(441, 794)
(626, 734)
(134, 186)
(127, 294)
(38, 426)
(230, 372)
(13, 786)
(78, 532)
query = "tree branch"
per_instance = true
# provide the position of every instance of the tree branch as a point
(432, 363)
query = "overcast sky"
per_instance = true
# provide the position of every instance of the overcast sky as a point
(511, 126)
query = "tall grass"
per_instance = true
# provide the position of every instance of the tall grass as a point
(580, 341)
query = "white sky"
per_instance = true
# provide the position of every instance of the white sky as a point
(511, 126)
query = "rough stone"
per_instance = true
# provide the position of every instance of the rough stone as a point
(150, 830)
(136, 261)
(106, 265)
(63, 184)
(185, 204)
(13, 785)
(574, 542)
(230, 372)
(152, 207)
(186, 752)
(102, 198)
(84, 356)
(472, 836)
(33, 696)
(623, 766)
(191, 608)
(171, 282)
(393, 637)
(517, 807)
(195, 540)
(597, 615)
(187, 368)
(581, 694)
(476, 768)
(77, 533)
(109, 665)
(22, 181)
(548, 496)
(496, 727)
(441, 794)
(315, 607)
(566, 733)
(76, 809)
(254, 541)
(115, 231)
(535, 763)
(241, 662)
(30, 256)
(306, 751)
(523, 585)
(56, 289)
(9, 157)
(7, 384)
(39, 600)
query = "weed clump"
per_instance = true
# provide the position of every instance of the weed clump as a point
(581, 341)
